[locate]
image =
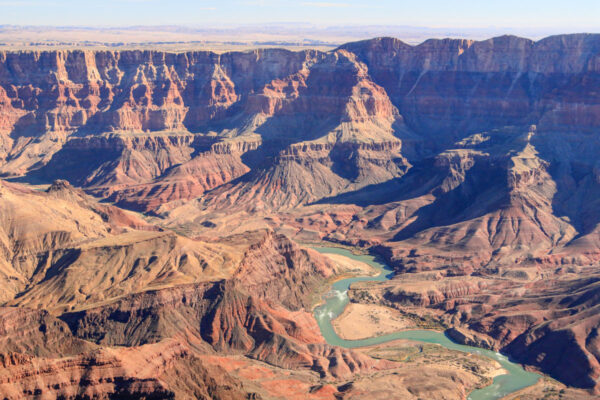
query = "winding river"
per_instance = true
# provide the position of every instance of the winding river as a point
(336, 300)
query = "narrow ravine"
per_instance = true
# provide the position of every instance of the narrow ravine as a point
(335, 302)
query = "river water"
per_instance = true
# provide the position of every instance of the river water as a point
(336, 300)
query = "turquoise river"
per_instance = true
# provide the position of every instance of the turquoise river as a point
(336, 299)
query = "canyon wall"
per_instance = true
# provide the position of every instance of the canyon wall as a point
(355, 101)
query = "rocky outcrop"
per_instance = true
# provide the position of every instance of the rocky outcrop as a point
(146, 91)
(277, 269)
(511, 80)
(61, 249)
(225, 317)
(36, 334)
(548, 323)
(42, 358)
(118, 219)
(37, 224)
(465, 337)
(365, 93)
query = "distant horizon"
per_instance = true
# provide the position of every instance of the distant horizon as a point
(520, 15)
(288, 34)
(300, 24)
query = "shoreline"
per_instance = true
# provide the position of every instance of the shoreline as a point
(495, 390)
(363, 312)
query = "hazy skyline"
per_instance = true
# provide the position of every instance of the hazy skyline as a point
(573, 16)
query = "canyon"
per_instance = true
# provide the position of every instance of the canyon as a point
(157, 209)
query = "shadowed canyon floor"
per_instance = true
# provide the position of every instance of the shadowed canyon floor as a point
(153, 206)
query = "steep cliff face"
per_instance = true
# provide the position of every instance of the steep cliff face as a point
(281, 96)
(445, 87)
(354, 101)
(68, 90)
(41, 357)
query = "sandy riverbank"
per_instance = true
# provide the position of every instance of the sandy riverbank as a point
(361, 321)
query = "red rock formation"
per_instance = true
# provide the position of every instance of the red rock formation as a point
(277, 269)
(306, 96)
(41, 358)
(228, 319)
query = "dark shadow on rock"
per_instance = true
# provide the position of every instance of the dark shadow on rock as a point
(483, 190)
(420, 179)
(76, 165)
